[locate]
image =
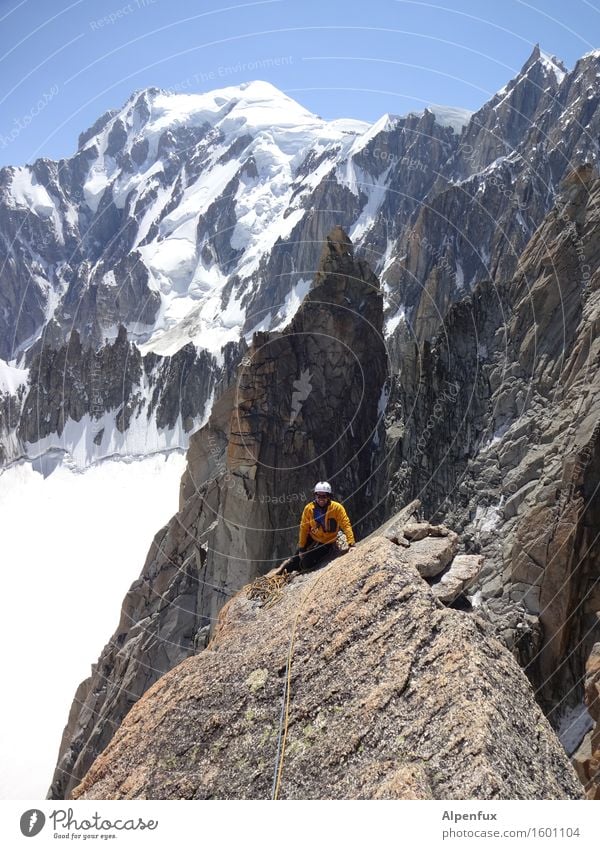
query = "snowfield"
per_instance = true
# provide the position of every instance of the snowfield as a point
(72, 544)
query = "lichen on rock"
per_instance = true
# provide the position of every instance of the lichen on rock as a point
(392, 696)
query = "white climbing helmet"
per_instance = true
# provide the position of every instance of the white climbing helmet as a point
(323, 486)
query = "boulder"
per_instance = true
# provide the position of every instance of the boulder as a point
(415, 531)
(393, 529)
(463, 571)
(431, 555)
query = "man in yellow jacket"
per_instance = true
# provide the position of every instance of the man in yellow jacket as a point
(322, 520)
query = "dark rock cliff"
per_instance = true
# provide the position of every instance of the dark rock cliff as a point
(114, 386)
(495, 427)
(305, 404)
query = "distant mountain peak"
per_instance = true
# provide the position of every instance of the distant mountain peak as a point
(550, 64)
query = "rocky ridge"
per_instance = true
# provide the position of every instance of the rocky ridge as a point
(477, 398)
(245, 484)
(391, 696)
(495, 189)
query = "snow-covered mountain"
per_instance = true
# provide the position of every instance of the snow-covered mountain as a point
(134, 272)
(193, 220)
(188, 220)
(199, 188)
(183, 164)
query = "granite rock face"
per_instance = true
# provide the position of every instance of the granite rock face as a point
(119, 391)
(587, 758)
(391, 697)
(502, 441)
(303, 405)
(495, 190)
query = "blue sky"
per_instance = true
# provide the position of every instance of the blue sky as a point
(65, 62)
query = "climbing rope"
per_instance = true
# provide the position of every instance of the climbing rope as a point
(285, 705)
(268, 590)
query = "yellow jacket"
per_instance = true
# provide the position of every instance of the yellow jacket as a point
(336, 519)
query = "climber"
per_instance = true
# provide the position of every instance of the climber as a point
(325, 530)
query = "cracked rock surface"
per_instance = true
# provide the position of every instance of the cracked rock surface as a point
(392, 696)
